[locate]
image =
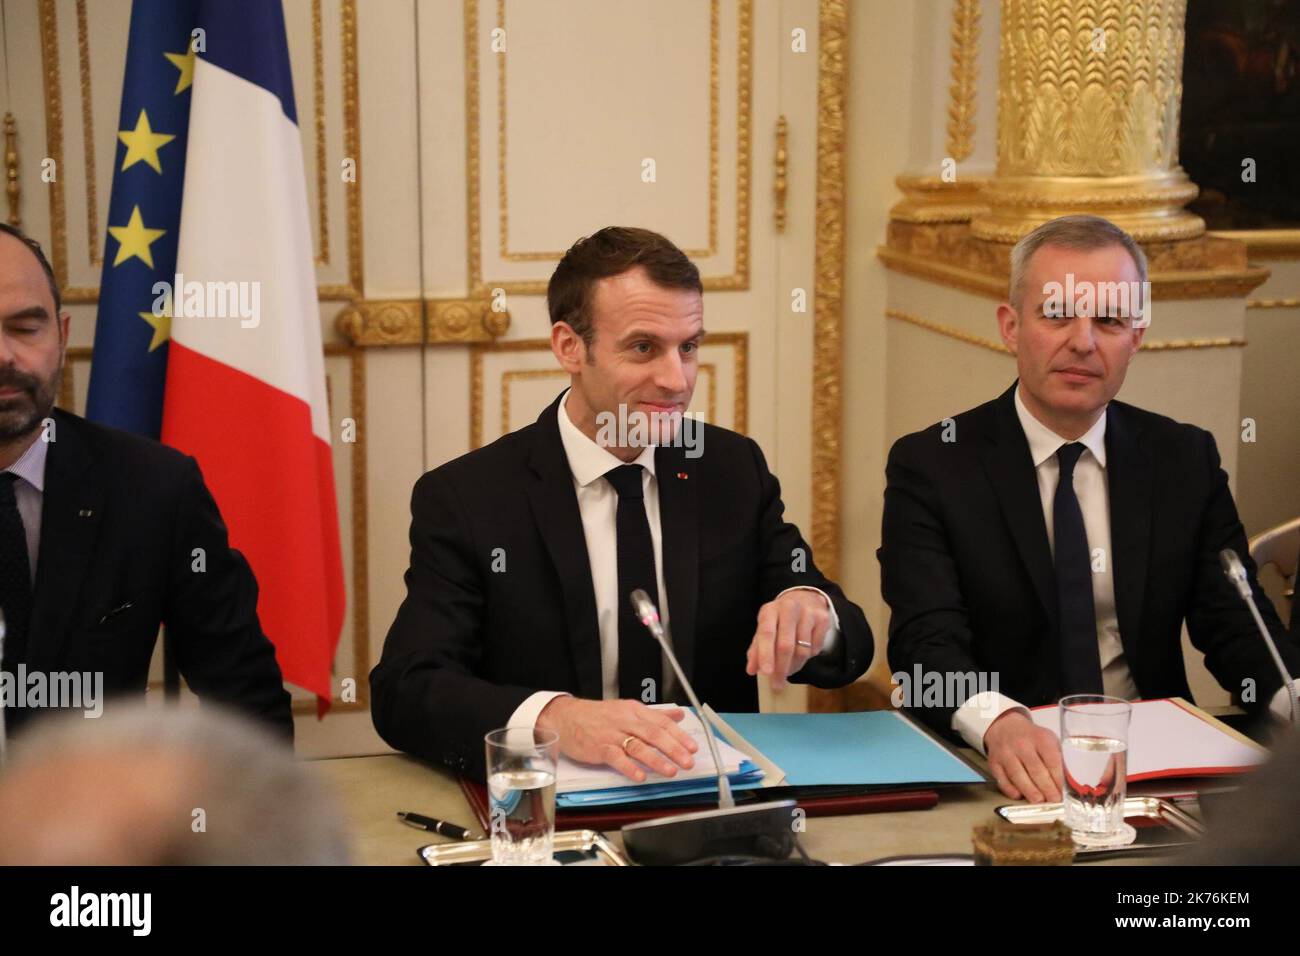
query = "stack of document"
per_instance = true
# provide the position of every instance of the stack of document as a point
(812, 754)
(1172, 738)
(590, 785)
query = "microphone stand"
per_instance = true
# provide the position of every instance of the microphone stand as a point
(759, 829)
(1236, 573)
(649, 616)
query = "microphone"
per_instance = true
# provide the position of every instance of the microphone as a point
(761, 829)
(1235, 572)
(648, 615)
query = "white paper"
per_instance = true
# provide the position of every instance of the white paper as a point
(572, 776)
(1164, 737)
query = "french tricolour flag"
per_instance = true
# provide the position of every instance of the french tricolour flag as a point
(245, 393)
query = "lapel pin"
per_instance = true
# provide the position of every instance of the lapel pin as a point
(85, 513)
(682, 475)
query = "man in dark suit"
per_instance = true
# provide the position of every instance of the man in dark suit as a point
(104, 536)
(523, 553)
(995, 567)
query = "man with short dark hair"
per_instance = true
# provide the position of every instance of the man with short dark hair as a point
(104, 536)
(524, 553)
(1058, 538)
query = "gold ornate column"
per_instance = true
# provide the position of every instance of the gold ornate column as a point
(1088, 106)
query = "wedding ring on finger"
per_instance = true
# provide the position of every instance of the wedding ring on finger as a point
(627, 742)
(807, 644)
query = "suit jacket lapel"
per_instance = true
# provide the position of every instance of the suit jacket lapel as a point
(1129, 481)
(555, 509)
(679, 522)
(71, 510)
(1011, 470)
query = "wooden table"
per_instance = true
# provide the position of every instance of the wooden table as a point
(373, 789)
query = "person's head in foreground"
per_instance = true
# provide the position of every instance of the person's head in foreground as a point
(150, 786)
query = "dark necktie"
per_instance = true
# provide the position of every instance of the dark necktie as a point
(15, 575)
(639, 656)
(1080, 658)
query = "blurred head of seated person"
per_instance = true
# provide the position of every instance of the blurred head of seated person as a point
(100, 533)
(146, 786)
(1054, 540)
(524, 553)
(1259, 824)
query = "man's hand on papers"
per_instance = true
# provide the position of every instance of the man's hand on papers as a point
(791, 629)
(595, 731)
(1025, 758)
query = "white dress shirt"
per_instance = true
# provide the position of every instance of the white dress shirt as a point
(598, 507)
(973, 718)
(29, 492)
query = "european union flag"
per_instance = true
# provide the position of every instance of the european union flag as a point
(130, 359)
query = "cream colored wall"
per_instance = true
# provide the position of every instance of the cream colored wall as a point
(1268, 472)
(899, 75)
(882, 96)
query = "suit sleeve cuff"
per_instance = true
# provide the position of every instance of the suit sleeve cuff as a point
(973, 718)
(1280, 704)
(833, 632)
(526, 714)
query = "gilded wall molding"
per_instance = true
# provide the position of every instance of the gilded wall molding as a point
(708, 369)
(510, 376)
(947, 253)
(88, 139)
(781, 169)
(828, 305)
(360, 540)
(931, 199)
(1266, 243)
(1273, 303)
(318, 88)
(965, 67)
(737, 280)
(737, 341)
(995, 345)
(49, 22)
(503, 217)
(385, 322)
(53, 90)
(828, 298)
(355, 288)
(13, 191)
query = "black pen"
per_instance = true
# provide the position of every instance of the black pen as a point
(441, 827)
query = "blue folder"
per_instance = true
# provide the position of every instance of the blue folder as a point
(747, 777)
(873, 748)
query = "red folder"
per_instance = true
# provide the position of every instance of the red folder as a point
(613, 818)
(1190, 771)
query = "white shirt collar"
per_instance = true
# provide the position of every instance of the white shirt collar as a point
(1044, 443)
(587, 460)
(31, 464)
